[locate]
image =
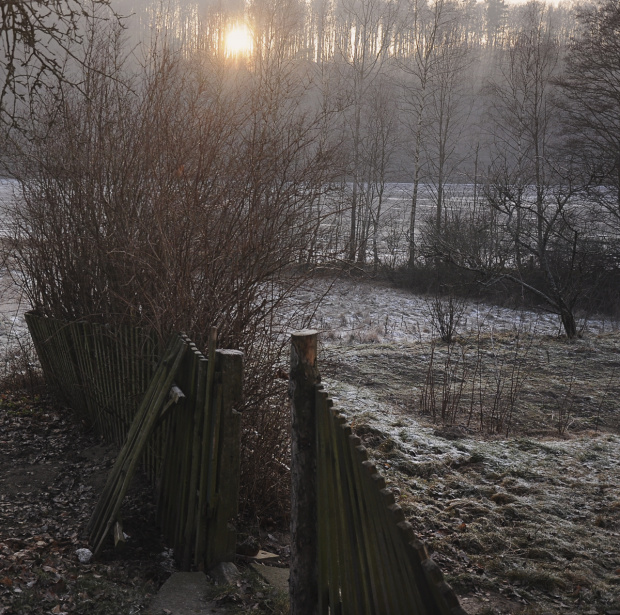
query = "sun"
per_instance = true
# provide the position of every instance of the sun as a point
(238, 40)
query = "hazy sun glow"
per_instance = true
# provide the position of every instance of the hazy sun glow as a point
(238, 40)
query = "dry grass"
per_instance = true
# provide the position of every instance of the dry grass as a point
(524, 524)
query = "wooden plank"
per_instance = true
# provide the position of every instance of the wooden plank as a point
(183, 417)
(208, 453)
(229, 363)
(328, 512)
(304, 376)
(395, 565)
(349, 598)
(196, 458)
(359, 599)
(380, 583)
(146, 418)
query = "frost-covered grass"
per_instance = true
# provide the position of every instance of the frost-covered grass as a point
(356, 311)
(528, 523)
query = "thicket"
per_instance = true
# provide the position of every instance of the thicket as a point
(172, 196)
(195, 189)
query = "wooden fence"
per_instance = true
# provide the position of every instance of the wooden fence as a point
(171, 409)
(352, 551)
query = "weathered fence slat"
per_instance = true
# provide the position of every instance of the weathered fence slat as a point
(369, 559)
(54, 350)
(376, 584)
(192, 455)
(222, 536)
(120, 477)
(208, 462)
(304, 376)
(327, 514)
(194, 471)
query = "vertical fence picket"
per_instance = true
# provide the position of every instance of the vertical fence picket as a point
(208, 451)
(229, 364)
(369, 560)
(184, 444)
(328, 512)
(388, 577)
(79, 335)
(196, 458)
(303, 582)
(376, 581)
(344, 584)
(192, 455)
(213, 472)
(359, 600)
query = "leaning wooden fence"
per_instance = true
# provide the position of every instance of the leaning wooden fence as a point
(172, 410)
(352, 550)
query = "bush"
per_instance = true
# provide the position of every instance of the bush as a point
(171, 198)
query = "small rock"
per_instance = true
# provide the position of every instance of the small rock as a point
(84, 555)
(224, 573)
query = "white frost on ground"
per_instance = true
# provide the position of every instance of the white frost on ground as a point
(538, 514)
(538, 517)
(14, 336)
(360, 311)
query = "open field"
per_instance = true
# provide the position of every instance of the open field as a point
(527, 522)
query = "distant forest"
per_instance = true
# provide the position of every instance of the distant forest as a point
(416, 82)
(501, 122)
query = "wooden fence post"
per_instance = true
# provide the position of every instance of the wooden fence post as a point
(304, 376)
(223, 534)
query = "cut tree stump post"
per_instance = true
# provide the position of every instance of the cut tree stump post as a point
(304, 376)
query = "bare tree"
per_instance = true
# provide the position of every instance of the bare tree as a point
(363, 51)
(422, 24)
(172, 198)
(379, 146)
(450, 104)
(591, 85)
(496, 17)
(546, 246)
(37, 39)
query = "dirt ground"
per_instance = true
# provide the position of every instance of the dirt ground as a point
(51, 473)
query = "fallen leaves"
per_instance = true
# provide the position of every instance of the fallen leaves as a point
(50, 474)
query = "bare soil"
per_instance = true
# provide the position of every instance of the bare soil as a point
(52, 472)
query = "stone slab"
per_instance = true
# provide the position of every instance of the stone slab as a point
(276, 577)
(184, 593)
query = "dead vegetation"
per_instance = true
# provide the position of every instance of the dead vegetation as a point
(51, 475)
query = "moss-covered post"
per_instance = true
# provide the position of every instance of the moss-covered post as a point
(304, 376)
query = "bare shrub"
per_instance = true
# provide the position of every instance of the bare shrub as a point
(477, 388)
(565, 407)
(20, 367)
(446, 315)
(172, 198)
(507, 375)
(443, 389)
